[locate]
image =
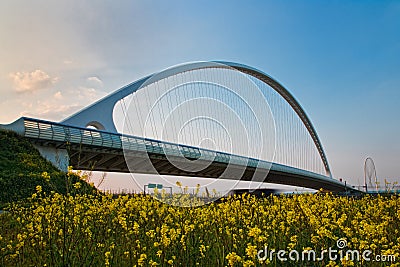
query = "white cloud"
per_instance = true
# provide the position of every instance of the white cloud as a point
(51, 110)
(87, 94)
(95, 80)
(58, 95)
(63, 103)
(31, 81)
(48, 104)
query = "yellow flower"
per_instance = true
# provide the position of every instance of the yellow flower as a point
(142, 259)
(331, 264)
(254, 232)
(248, 263)
(45, 176)
(77, 185)
(233, 258)
(251, 251)
(346, 262)
(145, 225)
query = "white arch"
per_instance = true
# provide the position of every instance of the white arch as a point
(101, 111)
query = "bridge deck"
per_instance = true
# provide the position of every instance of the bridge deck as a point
(91, 149)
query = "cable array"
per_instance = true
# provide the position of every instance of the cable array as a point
(224, 110)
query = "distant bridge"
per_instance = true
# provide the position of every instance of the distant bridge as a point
(101, 148)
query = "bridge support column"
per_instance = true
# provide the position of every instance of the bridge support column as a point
(58, 157)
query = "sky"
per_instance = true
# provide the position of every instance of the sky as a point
(340, 59)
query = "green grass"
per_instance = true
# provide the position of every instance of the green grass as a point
(22, 168)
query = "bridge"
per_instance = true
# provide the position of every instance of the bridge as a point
(281, 144)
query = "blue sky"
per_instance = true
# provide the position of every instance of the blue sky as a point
(340, 59)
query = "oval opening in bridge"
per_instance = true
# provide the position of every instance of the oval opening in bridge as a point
(95, 125)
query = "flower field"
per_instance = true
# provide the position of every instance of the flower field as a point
(104, 230)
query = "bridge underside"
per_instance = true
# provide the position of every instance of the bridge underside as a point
(92, 158)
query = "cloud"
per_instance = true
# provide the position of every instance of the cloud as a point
(95, 80)
(51, 111)
(87, 94)
(58, 105)
(31, 81)
(52, 104)
(58, 95)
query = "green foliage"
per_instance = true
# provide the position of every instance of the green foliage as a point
(22, 168)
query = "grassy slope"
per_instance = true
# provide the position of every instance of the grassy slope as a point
(22, 168)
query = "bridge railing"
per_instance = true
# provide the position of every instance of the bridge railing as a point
(56, 132)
